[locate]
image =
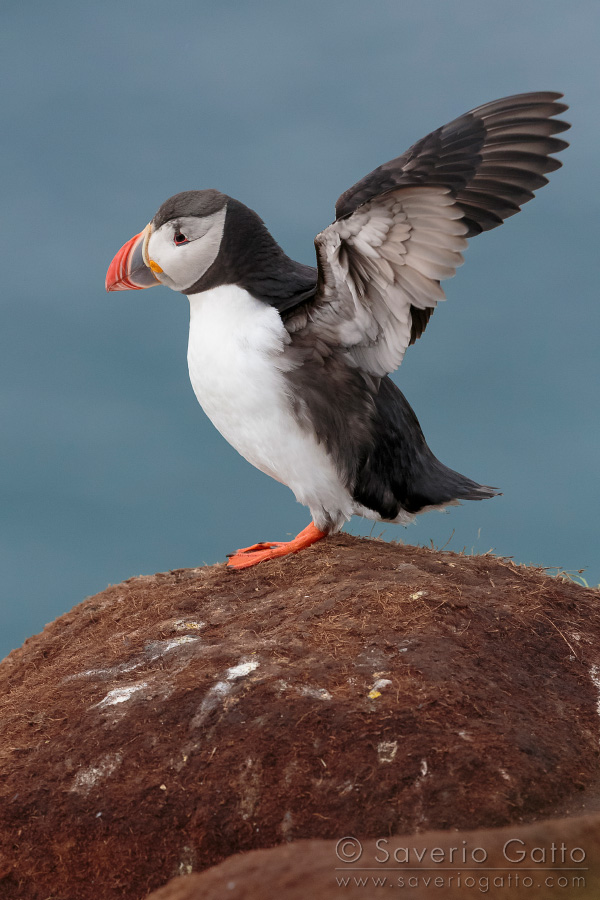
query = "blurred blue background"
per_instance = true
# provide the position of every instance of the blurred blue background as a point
(109, 468)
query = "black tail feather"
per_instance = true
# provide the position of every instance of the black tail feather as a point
(398, 470)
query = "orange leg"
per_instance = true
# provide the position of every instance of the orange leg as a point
(250, 556)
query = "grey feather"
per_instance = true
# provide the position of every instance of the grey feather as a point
(376, 272)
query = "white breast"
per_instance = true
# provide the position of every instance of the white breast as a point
(236, 363)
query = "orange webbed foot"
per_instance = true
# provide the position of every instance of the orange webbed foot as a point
(251, 556)
(265, 545)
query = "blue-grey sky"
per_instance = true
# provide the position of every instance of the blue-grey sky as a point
(108, 466)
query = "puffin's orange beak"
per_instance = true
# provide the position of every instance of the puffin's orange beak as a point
(128, 271)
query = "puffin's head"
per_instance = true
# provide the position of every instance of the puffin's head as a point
(176, 248)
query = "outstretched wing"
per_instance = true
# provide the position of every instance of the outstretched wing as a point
(401, 229)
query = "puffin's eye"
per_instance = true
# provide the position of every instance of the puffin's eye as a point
(180, 239)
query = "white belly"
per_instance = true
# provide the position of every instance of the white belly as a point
(235, 360)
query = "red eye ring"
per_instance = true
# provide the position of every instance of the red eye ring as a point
(179, 239)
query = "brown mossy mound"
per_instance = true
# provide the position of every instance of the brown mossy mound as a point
(358, 688)
(512, 863)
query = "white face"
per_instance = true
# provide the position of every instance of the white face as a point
(185, 248)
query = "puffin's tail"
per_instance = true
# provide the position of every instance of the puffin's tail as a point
(399, 472)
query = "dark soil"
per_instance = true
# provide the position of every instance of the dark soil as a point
(511, 863)
(358, 688)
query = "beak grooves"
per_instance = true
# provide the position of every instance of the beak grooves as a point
(130, 270)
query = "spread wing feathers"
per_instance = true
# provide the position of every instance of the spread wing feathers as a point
(400, 230)
(492, 158)
(389, 256)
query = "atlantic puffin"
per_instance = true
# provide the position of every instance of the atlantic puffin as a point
(291, 362)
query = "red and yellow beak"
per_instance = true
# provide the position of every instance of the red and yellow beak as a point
(131, 269)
